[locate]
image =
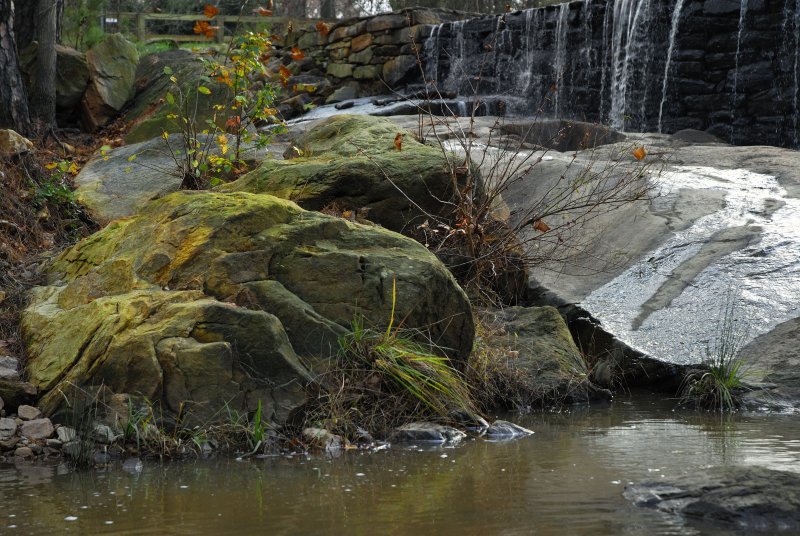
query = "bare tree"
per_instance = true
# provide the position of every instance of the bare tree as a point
(13, 102)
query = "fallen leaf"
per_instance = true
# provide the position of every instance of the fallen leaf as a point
(264, 12)
(322, 28)
(541, 226)
(639, 153)
(210, 11)
(297, 54)
(285, 74)
(398, 141)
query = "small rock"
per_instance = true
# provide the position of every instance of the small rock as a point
(37, 449)
(54, 443)
(28, 413)
(132, 465)
(9, 443)
(428, 432)
(23, 452)
(12, 144)
(343, 93)
(2, 403)
(104, 434)
(37, 429)
(323, 439)
(506, 430)
(469, 420)
(9, 362)
(65, 434)
(8, 427)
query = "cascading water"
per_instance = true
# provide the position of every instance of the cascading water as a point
(561, 56)
(673, 32)
(734, 92)
(431, 54)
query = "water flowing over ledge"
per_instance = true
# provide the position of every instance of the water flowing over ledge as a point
(724, 66)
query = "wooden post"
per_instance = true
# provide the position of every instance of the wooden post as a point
(141, 27)
(221, 32)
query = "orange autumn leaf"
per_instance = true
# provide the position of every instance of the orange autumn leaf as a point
(200, 27)
(210, 11)
(398, 142)
(285, 74)
(322, 28)
(297, 54)
(264, 12)
(233, 122)
(639, 153)
(541, 226)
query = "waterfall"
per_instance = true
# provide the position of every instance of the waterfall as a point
(457, 72)
(673, 32)
(742, 15)
(561, 55)
(796, 74)
(430, 54)
(607, 59)
(627, 14)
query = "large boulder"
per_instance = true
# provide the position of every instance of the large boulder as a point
(212, 298)
(112, 70)
(351, 162)
(148, 113)
(542, 355)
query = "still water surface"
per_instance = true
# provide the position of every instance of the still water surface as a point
(566, 479)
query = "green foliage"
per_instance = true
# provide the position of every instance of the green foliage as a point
(81, 26)
(211, 150)
(721, 382)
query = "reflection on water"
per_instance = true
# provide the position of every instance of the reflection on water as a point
(566, 479)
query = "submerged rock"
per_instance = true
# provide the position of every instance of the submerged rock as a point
(428, 432)
(506, 430)
(209, 299)
(745, 498)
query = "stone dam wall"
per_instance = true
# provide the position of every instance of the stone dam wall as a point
(729, 67)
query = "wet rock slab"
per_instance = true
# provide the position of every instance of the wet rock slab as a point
(751, 498)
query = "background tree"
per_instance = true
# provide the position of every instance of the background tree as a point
(43, 89)
(13, 99)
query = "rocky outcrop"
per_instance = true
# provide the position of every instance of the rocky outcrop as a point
(742, 498)
(208, 299)
(112, 69)
(351, 162)
(542, 355)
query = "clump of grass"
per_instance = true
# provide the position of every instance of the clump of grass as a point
(720, 383)
(383, 378)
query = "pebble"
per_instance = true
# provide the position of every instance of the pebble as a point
(23, 452)
(28, 413)
(54, 443)
(65, 434)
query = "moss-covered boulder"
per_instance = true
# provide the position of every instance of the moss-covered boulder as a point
(351, 162)
(213, 299)
(541, 354)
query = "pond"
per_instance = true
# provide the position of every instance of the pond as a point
(567, 478)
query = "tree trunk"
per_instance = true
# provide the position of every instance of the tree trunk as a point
(13, 102)
(327, 9)
(25, 22)
(43, 91)
(294, 8)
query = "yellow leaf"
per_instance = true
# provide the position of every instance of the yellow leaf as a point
(51, 165)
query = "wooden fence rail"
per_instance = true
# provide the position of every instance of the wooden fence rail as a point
(219, 21)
